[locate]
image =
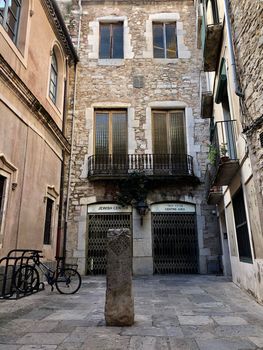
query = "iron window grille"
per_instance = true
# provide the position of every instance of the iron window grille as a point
(164, 40)
(9, 17)
(53, 84)
(111, 40)
(48, 221)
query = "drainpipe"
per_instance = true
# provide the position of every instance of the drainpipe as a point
(238, 91)
(72, 136)
(61, 196)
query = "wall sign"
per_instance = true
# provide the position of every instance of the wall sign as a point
(173, 208)
(108, 208)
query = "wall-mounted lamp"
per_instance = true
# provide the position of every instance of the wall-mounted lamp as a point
(142, 209)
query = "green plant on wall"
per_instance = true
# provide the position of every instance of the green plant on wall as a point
(223, 149)
(133, 189)
(212, 154)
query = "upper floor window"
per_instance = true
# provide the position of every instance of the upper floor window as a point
(111, 40)
(53, 83)
(169, 132)
(9, 17)
(111, 132)
(212, 11)
(164, 40)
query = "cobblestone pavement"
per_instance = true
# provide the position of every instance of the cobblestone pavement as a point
(172, 312)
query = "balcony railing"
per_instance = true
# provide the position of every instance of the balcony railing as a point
(110, 166)
(224, 164)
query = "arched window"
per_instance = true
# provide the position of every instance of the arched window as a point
(53, 84)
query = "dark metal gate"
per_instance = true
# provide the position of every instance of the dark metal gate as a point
(174, 243)
(98, 226)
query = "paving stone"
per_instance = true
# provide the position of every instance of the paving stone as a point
(224, 344)
(70, 346)
(38, 347)
(144, 331)
(67, 315)
(257, 340)
(229, 321)
(202, 298)
(164, 320)
(9, 347)
(42, 338)
(104, 342)
(195, 320)
(239, 331)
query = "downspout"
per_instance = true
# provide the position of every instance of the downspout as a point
(238, 91)
(61, 195)
(72, 136)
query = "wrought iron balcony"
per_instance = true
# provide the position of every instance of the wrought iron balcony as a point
(108, 166)
(214, 194)
(222, 154)
(211, 43)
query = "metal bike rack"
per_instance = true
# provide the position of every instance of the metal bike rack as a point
(9, 265)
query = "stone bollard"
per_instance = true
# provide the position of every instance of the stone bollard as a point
(119, 306)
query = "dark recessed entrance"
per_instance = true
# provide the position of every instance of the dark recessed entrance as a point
(175, 246)
(98, 226)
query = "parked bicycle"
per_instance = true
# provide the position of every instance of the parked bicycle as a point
(66, 279)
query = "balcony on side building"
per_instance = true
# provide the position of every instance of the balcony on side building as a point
(222, 154)
(157, 166)
(211, 36)
(214, 194)
(207, 104)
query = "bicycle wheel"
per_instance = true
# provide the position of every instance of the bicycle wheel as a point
(26, 279)
(68, 281)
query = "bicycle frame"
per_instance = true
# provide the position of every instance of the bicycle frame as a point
(47, 271)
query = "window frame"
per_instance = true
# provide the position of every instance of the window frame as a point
(164, 37)
(6, 11)
(111, 24)
(54, 71)
(238, 202)
(167, 113)
(3, 203)
(110, 114)
(48, 224)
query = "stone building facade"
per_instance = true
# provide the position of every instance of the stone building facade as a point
(232, 52)
(139, 143)
(35, 54)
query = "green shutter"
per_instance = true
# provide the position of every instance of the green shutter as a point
(222, 82)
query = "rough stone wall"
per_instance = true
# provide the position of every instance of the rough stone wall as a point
(100, 83)
(247, 23)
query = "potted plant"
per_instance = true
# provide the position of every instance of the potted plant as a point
(212, 154)
(223, 152)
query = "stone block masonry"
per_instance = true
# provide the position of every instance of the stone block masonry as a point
(119, 306)
(138, 84)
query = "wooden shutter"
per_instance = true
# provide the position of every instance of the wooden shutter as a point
(177, 132)
(170, 34)
(158, 41)
(119, 133)
(160, 145)
(102, 133)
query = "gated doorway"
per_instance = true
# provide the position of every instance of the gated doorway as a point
(175, 246)
(98, 226)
